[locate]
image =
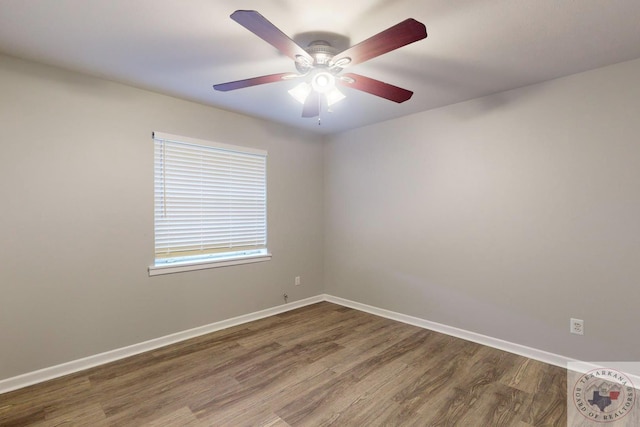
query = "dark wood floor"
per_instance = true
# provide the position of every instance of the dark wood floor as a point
(319, 365)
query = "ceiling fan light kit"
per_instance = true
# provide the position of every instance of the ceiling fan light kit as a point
(319, 64)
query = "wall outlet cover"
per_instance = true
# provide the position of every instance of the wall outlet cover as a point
(576, 326)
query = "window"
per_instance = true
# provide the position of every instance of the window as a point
(210, 204)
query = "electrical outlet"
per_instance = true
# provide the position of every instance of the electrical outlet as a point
(576, 326)
(297, 280)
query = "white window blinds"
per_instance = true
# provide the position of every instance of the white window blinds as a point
(210, 199)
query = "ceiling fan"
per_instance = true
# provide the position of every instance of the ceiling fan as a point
(319, 64)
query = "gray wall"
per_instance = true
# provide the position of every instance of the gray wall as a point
(505, 215)
(76, 185)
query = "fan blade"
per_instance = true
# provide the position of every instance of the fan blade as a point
(261, 27)
(402, 34)
(311, 105)
(374, 87)
(239, 84)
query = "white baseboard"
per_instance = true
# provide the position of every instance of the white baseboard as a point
(67, 368)
(532, 353)
(45, 374)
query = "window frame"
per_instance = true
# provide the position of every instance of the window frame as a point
(212, 260)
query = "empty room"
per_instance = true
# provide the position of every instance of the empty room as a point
(279, 213)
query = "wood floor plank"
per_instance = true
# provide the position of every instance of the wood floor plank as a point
(24, 407)
(548, 406)
(257, 389)
(524, 375)
(343, 408)
(501, 406)
(320, 365)
(182, 417)
(268, 395)
(363, 347)
(85, 415)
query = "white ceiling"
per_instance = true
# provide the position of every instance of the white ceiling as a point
(183, 47)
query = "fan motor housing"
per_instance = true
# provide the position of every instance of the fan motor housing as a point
(321, 52)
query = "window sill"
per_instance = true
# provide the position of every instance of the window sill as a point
(155, 270)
